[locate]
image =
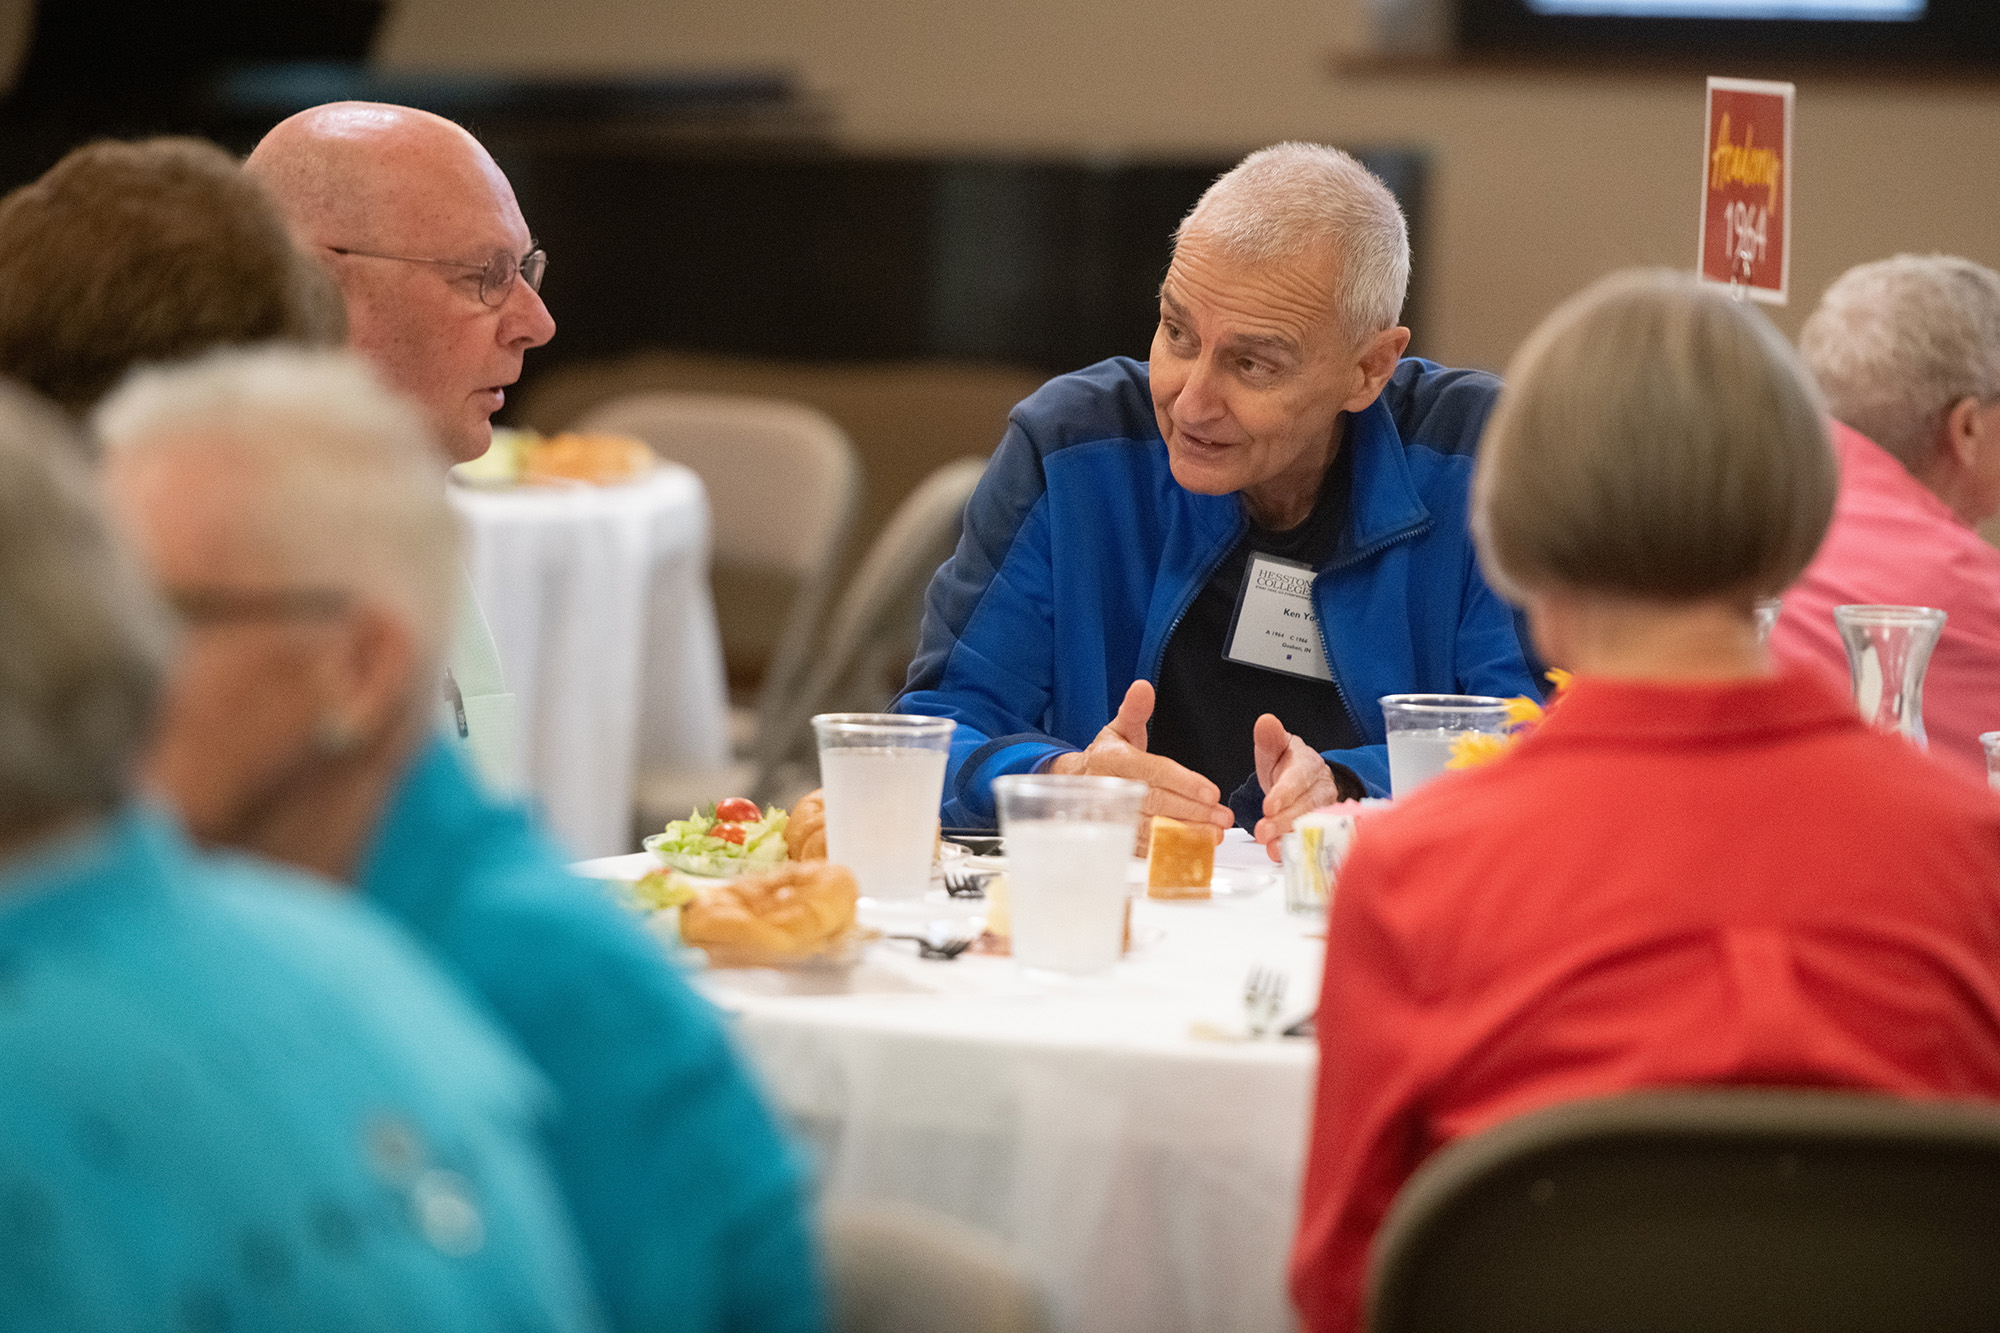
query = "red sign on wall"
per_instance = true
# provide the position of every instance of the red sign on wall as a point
(1746, 187)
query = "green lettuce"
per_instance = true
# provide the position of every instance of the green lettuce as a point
(688, 845)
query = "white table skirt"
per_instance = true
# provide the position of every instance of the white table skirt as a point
(599, 603)
(1141, 1159)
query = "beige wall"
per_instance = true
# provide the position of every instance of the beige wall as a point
(1540, 181)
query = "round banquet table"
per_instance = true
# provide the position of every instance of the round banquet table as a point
(598, 599)
(1138, 1153)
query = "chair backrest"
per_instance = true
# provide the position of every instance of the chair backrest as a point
(905, 418)
(1711, 1210)
(876, 619)
(782, 485)
(781, 476)
(898, 1268)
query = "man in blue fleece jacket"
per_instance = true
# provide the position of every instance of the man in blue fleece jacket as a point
(1203, 571)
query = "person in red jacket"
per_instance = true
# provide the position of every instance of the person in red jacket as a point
(1696, 870)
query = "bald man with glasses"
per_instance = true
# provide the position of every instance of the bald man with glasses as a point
(441, 280)
(421, 229)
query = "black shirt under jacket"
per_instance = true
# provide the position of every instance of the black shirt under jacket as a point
(1207, 706)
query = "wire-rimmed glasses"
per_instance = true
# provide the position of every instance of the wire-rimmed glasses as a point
(496, 275)
(221, 605)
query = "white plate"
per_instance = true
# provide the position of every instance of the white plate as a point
(633, 865)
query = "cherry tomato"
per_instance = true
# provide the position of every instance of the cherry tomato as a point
(728, 833)
(737, 810)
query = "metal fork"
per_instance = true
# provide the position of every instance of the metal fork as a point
(1263, 996)
(939, 945)
(966, 883)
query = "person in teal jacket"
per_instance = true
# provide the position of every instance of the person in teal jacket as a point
(685, 1189)
(230, 1098)
(295, 510)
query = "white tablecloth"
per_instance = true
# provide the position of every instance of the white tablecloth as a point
(599, 602)
(1142, 1160)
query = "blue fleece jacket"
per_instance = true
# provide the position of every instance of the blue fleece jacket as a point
(1081, 553)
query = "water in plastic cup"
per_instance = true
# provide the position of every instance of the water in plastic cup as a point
(1423, 728)
(884, 779)
(1069, 845)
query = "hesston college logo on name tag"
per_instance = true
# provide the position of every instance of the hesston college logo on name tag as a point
(1276, 626)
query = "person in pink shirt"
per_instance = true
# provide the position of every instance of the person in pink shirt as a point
(1907, 353)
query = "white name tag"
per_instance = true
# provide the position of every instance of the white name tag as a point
(1276, 627)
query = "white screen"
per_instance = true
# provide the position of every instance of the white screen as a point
(1734, 9)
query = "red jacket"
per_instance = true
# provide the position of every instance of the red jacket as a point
(1731, 883)
(1893, 541)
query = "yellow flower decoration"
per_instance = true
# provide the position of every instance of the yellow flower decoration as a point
(1523, 716)
(1478, 747)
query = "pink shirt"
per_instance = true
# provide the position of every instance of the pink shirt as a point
(1894, 542)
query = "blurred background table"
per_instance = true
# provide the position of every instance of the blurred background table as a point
(599, 602)
(1140, 1158)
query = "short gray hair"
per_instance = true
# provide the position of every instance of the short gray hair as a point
(1894, 344)
(349, 487)
(1288, 200)
(84, 641)
(1655, 439)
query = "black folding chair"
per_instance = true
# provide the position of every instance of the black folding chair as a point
(1710, 1211)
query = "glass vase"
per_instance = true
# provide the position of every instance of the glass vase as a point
(1888, 648)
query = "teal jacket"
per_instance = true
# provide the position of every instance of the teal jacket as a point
(687, 1196)
(232, 1099)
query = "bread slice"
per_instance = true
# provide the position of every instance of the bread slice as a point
(794, 909)
(1180, 859)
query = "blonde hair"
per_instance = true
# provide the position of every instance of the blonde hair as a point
(1897, 343)
(1289, 200)
(1656, 439)
(349, 487)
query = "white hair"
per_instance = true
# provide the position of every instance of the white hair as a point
(1292, 199)
(347, 486)
(84, 641)
(1896, 343)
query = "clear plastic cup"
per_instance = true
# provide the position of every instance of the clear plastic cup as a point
(1423, 728)
(884, 780)
(1990, 742)
(1069, 846)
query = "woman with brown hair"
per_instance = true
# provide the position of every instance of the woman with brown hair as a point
(127, 254)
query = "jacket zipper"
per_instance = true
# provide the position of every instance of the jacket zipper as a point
(1194, 591)
(1325, 644)
(1326, 651)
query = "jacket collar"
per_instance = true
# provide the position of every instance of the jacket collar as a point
(1384, 506)
(434, 803)
(1596, 710)
(137, 845)
(1860, 455)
